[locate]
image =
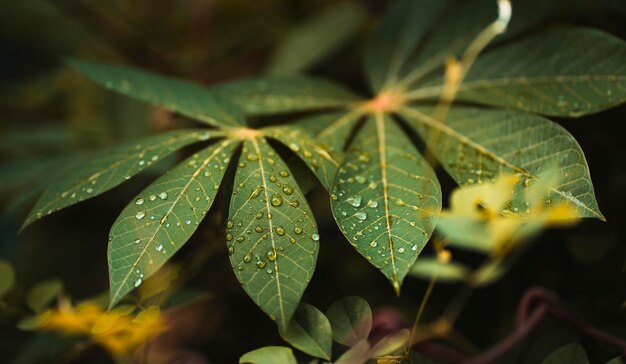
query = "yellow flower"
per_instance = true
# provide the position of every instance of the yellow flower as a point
(119, 331)
(493, 217)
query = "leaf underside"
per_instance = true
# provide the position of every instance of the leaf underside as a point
(272, 236)
(476, 145)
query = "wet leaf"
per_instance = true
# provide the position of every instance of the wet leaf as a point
(176, 95)
(547, 74)
(109, 168)
(351, 320)
(311, 151)
(272, 236)
(309, 331)
(163, 217)
(476, 145)
(386, 198)
(269, 355)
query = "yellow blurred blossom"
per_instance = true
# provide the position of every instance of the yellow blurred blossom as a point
(481, 218)
(119, 331)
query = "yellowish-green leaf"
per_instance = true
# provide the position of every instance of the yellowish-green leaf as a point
(176, 95)
(272, 236)
(451, 272)
(269, 355)
(359, 353)
(548, 74)
(351, 320)
(476, 145)
(109, 168)
(386, 198)
(163, 217)
(391, 343)
(7, 278)
(314, 39)
(309, 331)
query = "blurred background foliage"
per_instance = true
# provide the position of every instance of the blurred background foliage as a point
(52, 117)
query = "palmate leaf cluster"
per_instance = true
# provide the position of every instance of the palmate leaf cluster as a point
(385, 196)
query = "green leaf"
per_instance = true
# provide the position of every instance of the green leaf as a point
(391, 343)
(309, 331)
(109, 168)
(548, 74)
(7, 278)
(314, 39)
(283, 94)
(269, 355)
(43, 293)
(272, 236)
(386, 198)
(359, 353)
(163, 217)
(351, 320)
(331, 129)
(402, 28)
(616, 360)
(451, 272)
(176, 95)
(315, 156)
(476, 145)
(459, 24)
(569, 354)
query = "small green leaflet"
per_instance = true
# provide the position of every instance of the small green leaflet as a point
(109, 168)
(163, 217)
(386, 198)
(283, 94)
(476, 145)
(332, 130)
(269, 355)
(351, 320)
(547, 74)
(172, 94)
(309, 331)
(272, 236)
(451, 272)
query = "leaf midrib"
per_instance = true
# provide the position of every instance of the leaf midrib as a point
(380, 134)
(271, 228)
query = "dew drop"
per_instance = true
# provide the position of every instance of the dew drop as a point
(361, 215)
(280, 231)
(354, 200)
(271, 254)
(138, 282)
(159, 247)
(137, 241)
(315, 237)
(231, 250)
(248, 257)
(276, 200)
(297, 230)
(139, 201)
(140, 215)
(163, 195)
